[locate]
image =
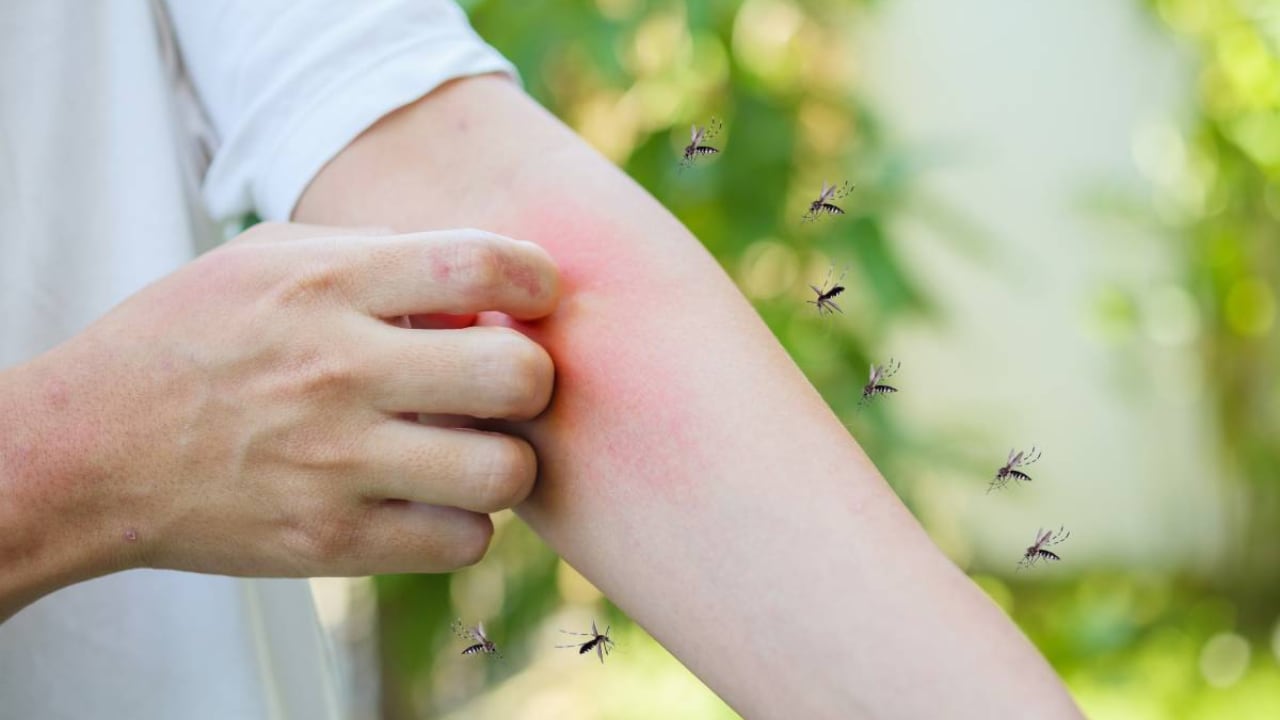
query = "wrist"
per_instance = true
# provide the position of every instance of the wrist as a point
(55, 525)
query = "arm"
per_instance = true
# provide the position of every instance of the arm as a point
(243, 416)
(37, 481)
(686, 465)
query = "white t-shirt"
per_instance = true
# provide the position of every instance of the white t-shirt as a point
(118, 159)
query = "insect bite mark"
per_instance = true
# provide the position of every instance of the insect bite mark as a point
(56, 394)
(441, 270)
(521, 276)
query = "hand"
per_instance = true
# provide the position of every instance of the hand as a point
(251, 405)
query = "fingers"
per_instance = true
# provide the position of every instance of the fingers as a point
(479, 471)
(482, 372)
(402, 537)
(453, 272)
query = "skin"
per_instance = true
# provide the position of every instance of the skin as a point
(247, 415)
(686, 466)
(251, 414)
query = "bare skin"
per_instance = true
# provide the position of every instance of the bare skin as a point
(686, 465)
(247, 414)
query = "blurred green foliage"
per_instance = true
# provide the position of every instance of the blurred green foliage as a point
(1139, 645)
(631, 76)
(1229, 193)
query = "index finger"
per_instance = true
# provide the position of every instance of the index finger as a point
(454, 272)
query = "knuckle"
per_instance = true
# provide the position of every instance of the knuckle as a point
(328, 454)
(307, 284)
(509, 473)
(260, 232)
(321, 373)
(480, 262)
(522, 373)
(328, 540)
(231, 266)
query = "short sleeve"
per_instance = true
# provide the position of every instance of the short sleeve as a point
(286, 85)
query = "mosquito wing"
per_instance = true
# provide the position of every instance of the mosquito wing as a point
(1016, 460)
(478, 633)
(875, 374)
(826, 192)
(695, 134)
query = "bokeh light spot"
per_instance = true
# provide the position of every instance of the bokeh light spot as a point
(1171, 315)
(1250, 307)
(762, 35)
(768, 269)
(1224, 659)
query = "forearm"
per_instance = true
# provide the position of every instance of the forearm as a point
(52, 530)
(687, 467)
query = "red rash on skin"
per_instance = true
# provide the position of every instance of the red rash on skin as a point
(614, 404)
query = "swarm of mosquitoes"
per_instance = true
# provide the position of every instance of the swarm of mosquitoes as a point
(478, 643)
(1010, 472)
(824, 301)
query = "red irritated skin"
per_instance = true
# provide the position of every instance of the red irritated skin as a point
(686, 466)
(609, 372)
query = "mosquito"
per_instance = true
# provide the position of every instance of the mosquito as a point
(826, 300)
(1010, 470)
(482, 644)
(697, 136)
(875, 384)
(600, 642)
(824, 205)
(1037, 552)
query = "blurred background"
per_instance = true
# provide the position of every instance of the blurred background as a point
(1066, 227)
